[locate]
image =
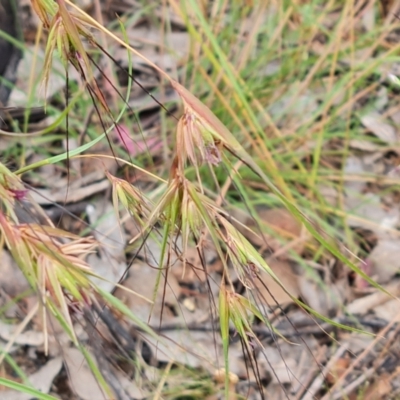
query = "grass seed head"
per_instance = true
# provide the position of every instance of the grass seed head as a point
(65, 34)
(195, 143)
(45, 10)
(53, 263)
(134, 201)
(246, 260)
(11, 190)
(236, 309)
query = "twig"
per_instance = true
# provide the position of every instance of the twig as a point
(309, 328)
(316, 385)
(353, 385)
(384, 331)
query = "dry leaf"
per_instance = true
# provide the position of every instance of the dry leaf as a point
(49, 197)
(270, 292)
(354, 166)
(178, 41)
(379, 389)
(283, 363)
(40, 380)
(131, 387)
(279, 219)
(191, 348)
(366, 303)
(194, 270)
(324, 298)
(111, 264)
(384, 260)
(299, 110)
(27, 338)
(388, 310)
(337, 370)
(81, 378)
(329, 193)
(34, 56)
(375, 124)
(12, 280)
(366, 211)
(363, 145)
(142, 280)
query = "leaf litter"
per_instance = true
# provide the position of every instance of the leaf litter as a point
(181, 309)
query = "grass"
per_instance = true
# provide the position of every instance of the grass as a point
(324, 125)
(291, 81)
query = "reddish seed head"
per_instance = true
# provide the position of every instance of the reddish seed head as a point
(19, 194)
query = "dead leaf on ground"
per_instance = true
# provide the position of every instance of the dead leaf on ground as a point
(388, 310)
(34, 56)
(356, 168)
(68, 195)
(363, 145)
(337, 370)
(378, 390)
(366, 211)
(27, 338)
(147, 37)
(12, 280)
(194, 349)
(366, 303)
(131, 387)
(384, 260)
(110, 264)
(142, 280)
(325, 298)
(281, 221)
(283, 363)
(293, 106)
(374, 123)
(270, 292)
(329, 193)
(40, 380)
(194, 271)
(81, 378)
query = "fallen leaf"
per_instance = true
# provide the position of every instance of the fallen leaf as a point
(270, 292)
(379, 389)
(282, 363)
(337, 370)
(81, 378)
(40, 380)
(34, 56)
(381, 129)
(388, 310)
(178, 41)
(194, 271)
(354, 166)
(142, 280)
(12, 280)
(194, 349)
(131, 387)
(363, 145)
(49, 197)
(366, 211)
(366, 303)
(299, 110)
(110, 264)
(325, 298)
(27, 338)
(384, 260)
(282, 222)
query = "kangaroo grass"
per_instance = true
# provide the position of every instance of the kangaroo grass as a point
(52, 260)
